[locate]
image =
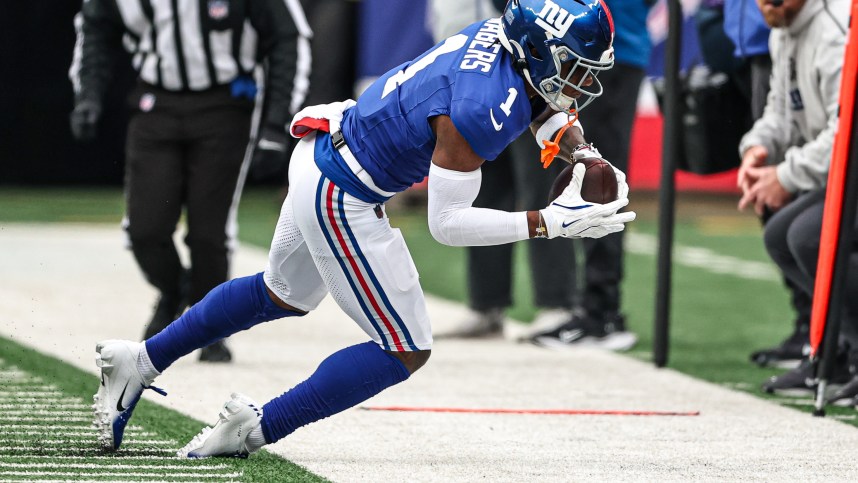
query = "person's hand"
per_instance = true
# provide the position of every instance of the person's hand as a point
(571, 217)
(754, 157)
(84, 120)
(270, 154)
(766, 191)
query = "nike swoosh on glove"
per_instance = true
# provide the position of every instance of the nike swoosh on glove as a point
(570, 216)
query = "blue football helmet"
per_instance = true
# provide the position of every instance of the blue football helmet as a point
(551, 40)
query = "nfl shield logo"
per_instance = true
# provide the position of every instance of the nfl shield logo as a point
(218, 9)
(147, 102)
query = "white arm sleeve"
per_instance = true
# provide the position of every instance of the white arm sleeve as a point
(452, 219)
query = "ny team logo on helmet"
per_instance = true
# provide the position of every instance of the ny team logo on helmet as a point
(559, 44)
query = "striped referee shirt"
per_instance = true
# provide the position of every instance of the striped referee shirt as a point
(194, 45)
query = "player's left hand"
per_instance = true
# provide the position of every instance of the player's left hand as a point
(570, 216)
(271, 153)
(766, 191)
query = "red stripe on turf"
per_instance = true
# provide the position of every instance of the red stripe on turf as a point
(592, 412)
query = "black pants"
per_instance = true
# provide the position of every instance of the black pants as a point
(608, 125)
(792, 238)
(184, 150)
(515, 181)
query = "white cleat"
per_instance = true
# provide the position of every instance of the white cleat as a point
(228, 437)
(120, 389)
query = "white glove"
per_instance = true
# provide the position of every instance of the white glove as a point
(571, 217)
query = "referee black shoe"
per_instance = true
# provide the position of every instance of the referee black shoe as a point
(217, 352)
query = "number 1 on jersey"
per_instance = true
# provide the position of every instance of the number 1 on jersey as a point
(450, 45)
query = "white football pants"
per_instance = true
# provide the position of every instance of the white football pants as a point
(329, 241)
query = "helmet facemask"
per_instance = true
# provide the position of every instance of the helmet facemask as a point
(573, 71)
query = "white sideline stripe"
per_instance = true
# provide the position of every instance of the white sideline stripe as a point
(55, 480)
(704, 258)
(26, 400)
(115, 467)
(78, 406)
(128, 429)
(81, 419)
(18, 374)
(141, 465)
(123, 457)
(52, 442)
(125, 474)
(152, 452)
(40, 412)
(19, 378)
(41, 388)
(81, 432)
(32, 394)
(15, 371)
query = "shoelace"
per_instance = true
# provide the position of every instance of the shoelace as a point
(198, 438)
(196, 441)
(156, 389)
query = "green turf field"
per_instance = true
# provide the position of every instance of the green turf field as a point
(727, 301)
(57, 442)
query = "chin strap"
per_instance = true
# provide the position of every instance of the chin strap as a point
(552, 148)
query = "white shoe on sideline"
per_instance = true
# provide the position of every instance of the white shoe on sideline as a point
(545, 321)
(477, 325)
(120, 389)
(228, 437)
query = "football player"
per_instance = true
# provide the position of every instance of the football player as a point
(442, 114)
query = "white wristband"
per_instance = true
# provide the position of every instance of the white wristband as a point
(555, 122)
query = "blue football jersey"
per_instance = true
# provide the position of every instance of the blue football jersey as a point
(469, 77)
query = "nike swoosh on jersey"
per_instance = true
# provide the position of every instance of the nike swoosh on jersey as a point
(497, 126)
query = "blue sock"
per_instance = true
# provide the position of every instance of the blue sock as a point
(232, 306)
(345, 379)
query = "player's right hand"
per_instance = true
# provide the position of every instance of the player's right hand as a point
(571, 217)
(84, 120)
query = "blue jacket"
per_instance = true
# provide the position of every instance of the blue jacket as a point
(631, 38)
(744, 24)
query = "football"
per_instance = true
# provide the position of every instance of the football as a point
(599, 185)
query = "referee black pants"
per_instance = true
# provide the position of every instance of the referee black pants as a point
(184, 152)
